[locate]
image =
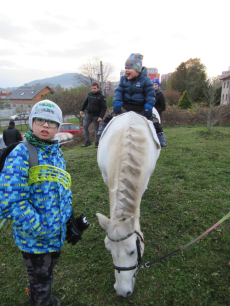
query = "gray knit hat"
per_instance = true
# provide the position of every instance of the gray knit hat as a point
(46, 109)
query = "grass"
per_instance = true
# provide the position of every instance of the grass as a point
(188, 193)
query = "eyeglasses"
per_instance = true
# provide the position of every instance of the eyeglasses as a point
(51, 124)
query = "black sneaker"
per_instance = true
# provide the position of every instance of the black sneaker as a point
(54, 301)
(96, 145)
(87, 144)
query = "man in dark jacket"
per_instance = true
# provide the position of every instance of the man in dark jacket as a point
(11, 135)
(96, 108)
(160, 99)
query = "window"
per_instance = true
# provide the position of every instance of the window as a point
(32, 92)
(74, 127)
(22, 93)
(13, 105)
(228, 84)
(226, 97)
(222, 97)
(65, 127)
(224, 84)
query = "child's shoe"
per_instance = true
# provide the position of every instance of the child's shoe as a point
(101, 129)
(162, 139)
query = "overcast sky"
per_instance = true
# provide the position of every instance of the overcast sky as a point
(48, 38)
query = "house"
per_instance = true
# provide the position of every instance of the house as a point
(26, 96)
(225, 93)
(4, 94)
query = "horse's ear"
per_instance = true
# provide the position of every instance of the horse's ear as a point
(129, 224)
(103, 220)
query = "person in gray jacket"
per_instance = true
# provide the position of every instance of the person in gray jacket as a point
(11, 135)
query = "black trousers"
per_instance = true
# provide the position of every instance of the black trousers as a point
(40, 272)
(156, 123)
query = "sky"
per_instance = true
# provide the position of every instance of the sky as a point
(48, 38)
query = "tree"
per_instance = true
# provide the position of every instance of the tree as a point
(172, 97)
(184, 101)
(196, 79)
(90, 72)
(163, 85)
(178, 80)
(191, 76)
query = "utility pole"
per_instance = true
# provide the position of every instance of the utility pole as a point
(102, 82)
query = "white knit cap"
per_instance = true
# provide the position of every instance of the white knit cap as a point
(46, 109)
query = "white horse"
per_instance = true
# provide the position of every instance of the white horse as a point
(127, 156)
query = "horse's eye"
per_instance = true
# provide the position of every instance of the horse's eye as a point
(132, 253)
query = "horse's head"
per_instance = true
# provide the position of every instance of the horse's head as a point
(124, 241)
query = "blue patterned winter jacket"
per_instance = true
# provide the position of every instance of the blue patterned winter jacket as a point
(38, 212)
(139, 90)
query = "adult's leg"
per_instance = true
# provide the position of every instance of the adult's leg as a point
(96, 126)
(40, 272)
(88, 120)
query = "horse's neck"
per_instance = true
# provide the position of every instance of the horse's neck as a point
(121, 208)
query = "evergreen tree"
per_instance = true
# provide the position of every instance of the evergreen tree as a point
(184, 101)
(178, 81)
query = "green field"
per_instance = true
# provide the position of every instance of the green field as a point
(188, 193)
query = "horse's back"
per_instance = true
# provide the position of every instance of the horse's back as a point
(128, 138)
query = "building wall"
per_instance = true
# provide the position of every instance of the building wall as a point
(154, 76)
(225, 93)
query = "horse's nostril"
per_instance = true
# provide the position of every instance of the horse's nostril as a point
(129, 293)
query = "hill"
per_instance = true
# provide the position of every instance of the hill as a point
(65, 80)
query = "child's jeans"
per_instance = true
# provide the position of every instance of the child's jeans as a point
(40, 271)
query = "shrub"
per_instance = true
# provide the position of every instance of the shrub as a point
(184, 101)
(172, 97)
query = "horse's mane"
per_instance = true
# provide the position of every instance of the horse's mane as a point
(132, 158)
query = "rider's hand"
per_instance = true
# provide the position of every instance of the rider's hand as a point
(117, 107)
(148, 110)
(81, 113)
(99, 119)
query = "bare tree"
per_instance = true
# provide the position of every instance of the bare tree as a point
(90, 72)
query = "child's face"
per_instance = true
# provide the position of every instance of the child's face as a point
(44, 131)
(131, 73)
(155, 85)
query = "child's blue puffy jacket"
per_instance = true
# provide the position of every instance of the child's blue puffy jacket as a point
(136, 91)
(38, 212)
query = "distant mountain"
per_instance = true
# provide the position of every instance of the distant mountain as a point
(65, 80)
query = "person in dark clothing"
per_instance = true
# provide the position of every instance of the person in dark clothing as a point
(11, 135)
(95, 104)
(160, 99)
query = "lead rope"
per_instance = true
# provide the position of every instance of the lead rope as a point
(148, 264)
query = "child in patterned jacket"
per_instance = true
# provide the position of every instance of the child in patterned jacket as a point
(38, 201)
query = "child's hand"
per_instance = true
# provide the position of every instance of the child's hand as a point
(82, 223)
(148, 110)
(148, 113)
(117, 107)
(73, 233)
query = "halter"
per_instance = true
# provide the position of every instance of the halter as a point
(137, 265)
